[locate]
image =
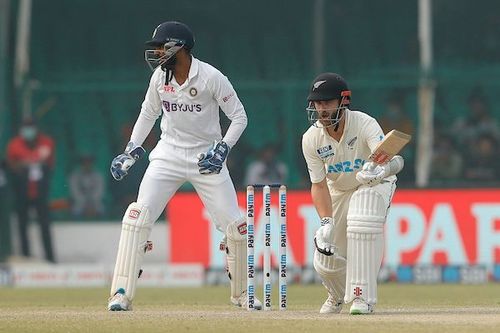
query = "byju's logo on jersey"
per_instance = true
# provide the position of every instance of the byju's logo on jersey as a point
(173, 107)
(325, 151)
(350, 143)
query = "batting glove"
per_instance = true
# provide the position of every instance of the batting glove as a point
(123, 162)
(323, 239)
(211, 162)
(372, 174)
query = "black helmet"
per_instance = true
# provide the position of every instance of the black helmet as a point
(172, 36)
(329, 86)
(326, 87)
(172, 31)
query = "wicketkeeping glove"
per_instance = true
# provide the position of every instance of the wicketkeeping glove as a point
(323, 239)
(211, 161)
(123, 162)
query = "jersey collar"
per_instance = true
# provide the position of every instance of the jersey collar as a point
(193, 70)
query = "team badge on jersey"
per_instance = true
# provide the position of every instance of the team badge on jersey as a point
(325, 151)
(350, 143)
(193, 92)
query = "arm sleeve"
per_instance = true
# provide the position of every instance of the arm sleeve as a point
(373, 134)
(396, 164)
(315, 165)
(150, 111)
(231, 105)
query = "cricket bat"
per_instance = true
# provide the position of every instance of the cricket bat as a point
(391, 145)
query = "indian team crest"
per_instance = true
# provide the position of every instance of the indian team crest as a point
(193, 92)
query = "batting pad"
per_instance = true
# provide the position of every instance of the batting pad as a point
(365, 244)
(136, 228)
(236, 250)
(332, 270)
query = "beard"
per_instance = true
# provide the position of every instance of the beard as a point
(169, 64)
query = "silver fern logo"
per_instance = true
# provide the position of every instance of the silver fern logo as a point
(317, 84)
(351, 143)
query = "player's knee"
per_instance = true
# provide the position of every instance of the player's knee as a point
(137, 215)
(329, 265)
(237, 230)
(366, 205)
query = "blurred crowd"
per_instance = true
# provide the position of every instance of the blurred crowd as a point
(465, 155)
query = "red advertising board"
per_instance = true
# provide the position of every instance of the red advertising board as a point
(457, 227)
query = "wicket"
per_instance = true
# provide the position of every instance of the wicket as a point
(251, 241)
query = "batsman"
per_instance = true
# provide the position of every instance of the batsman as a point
(352, 187)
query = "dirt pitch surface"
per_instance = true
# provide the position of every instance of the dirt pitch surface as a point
(401, 308)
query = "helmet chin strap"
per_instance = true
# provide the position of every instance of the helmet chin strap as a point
(340, 114)
(168, 67)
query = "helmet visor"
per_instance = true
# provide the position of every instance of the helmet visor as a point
(325, 117)
(159, 56)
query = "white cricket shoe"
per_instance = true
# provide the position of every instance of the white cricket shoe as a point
(331, 305)
(242, 301)
(119, 302)
(360, 307)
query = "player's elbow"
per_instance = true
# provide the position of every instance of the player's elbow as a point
(243, 120)
(319, 186)
(396, 164)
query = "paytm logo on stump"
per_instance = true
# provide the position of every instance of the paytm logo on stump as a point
(173, 107)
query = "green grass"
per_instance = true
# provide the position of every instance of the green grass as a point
(401, 308)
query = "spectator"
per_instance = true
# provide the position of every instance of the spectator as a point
(395, 116)
(477, 121)
(30, 156)
(87, 189)
(5, 242)
(484, 165)
(447, 162)
(267, 169)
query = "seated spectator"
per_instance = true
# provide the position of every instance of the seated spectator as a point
(483, 164)
(447, 162)
(87, 190)
(478, 121)
(267, 169)
(395, 115)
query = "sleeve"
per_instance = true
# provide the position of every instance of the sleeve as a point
(315, 165)
(231, 105)
(150, 111)
(373, 134)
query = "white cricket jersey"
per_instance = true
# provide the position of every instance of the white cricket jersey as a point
(339, 161)
(191, 110)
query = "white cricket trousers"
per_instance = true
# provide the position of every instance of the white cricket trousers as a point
(170, 167)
